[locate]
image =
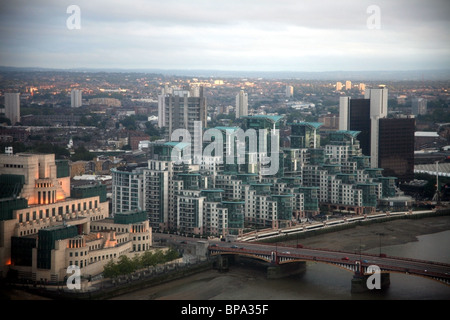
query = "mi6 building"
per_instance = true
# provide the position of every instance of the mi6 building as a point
(47, 226)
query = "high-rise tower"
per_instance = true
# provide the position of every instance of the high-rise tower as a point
(241, 104)
(76, 98)
(179, 110)
(12, 107)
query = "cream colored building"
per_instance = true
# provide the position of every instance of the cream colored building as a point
(45, 227)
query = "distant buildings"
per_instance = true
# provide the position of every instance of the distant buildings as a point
(289, 91)
(362, 87)
(330, 121)
(348, 85)
(76, 99)
(12, 107)
(241, 104)
(110, 102)
(418, 106)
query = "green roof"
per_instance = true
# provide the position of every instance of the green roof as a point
(315, 125)
(179, 145)
(349, 132)
(261, 116)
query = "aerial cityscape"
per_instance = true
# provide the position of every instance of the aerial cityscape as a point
(216, 151)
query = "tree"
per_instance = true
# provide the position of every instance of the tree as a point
(125, 265)
(111, 270)
(82, 154)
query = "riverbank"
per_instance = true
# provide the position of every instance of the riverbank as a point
(370, 237)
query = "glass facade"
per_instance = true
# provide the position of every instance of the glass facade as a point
(396, 147)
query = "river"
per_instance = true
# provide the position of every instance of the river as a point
(318, 282)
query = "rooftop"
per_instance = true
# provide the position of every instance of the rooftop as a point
(179, 145)
(261, 116)
(315, 125)
(349, 132)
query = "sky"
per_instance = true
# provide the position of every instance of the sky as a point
(253, 35)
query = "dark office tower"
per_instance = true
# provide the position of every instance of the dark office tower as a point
(396, 147)
(359, 120)
(363, 115)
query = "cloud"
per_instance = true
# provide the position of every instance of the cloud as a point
(247, 34)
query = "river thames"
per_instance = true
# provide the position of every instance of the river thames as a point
(318, 282)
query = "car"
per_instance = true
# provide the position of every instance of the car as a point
(365, 261)
(287, 252)
(345, 258)
(234, 246)
(214, 245)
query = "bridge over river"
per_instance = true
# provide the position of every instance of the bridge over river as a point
(362, 265)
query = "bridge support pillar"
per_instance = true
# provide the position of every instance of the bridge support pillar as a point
(222, 264)
(285, 270)
(359, 283)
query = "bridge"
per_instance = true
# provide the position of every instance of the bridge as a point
(362, 265)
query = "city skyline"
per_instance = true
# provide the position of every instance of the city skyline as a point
(263, 36)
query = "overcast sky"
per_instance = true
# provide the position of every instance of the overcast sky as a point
(262, 35)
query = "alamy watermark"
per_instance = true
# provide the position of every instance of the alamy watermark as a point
(374, 280)
(374, 20)
(74, 20)
(73, 281)
(239, 147)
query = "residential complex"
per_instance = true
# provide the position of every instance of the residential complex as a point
(226, 197)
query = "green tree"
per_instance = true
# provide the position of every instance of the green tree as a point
(81, 153)
(111, 270)
(125, 265)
